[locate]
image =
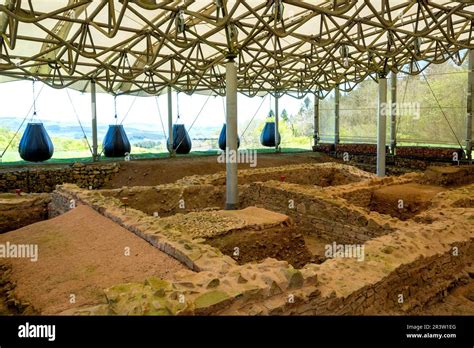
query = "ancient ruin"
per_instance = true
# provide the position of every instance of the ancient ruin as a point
(312, 238)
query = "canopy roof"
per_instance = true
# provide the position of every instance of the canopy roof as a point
(280, 46)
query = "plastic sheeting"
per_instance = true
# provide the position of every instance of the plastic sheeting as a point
(35, 144)
(222, 138)
(116, 142)
(267, 138)
(181, 141)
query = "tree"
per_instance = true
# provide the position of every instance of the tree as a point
(301, 124)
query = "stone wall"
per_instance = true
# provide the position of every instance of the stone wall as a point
(170, 199)
(361, 194)
(319, 174)
(449, 176)
(45, 179)
(407, 157)
(61, 202)
(402, 272)
(317, 213)
(415, 260)
(217, 279)
(416, 152)
(429, 153)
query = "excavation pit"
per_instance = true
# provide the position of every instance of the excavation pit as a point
(207, 192)
(247, 235)
(18, 210)
(403, 201)
(319, 174)
(281, 243)
(168, 200)
(307, 175)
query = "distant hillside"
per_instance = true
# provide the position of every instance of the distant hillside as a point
(138, 132)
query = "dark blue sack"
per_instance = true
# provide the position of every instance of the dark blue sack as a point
(267, 138)
(116, 143)
(222, 137)
(181, 141)
(35, 144)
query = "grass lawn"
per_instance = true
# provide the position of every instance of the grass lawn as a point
(65, 157)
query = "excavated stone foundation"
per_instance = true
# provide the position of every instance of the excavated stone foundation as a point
(307, 239)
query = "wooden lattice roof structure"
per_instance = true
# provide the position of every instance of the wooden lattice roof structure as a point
(281, 46)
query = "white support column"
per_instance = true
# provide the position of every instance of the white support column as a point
(381, 126)
(337, 96)
(393, 113)
(277, 134)
(470, 105)
(232, 193)
(170, 123)
(95, 156)
(316, 120)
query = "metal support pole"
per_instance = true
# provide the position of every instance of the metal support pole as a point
(4, 17)
(170, 123)
(277, 134)
(95, 155)
(232, 193)
(382, 126)
(316, 120)
(470, 105)
(393, 113)
(337, 95)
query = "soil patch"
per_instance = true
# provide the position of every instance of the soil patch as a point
(80, 253)
(169, 170)
(281, 243)
(18, 211)
(165, 202)
(403, 201)
(460, 301)
(316, 246)
(449, 176)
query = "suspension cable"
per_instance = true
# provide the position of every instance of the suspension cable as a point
(115, 108)
(115, 117)
(270, 104)
(195, 119)
(126, 114)
(34, 115)
(224, 108)
(440, 108)
(32, 107)
(79, 120)
(161, 118)
(256, 112)
(177, 107)
(130, 107)
(34, 100)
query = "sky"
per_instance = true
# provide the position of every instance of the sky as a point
(55, 105)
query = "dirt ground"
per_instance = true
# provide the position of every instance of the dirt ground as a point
(269, 234)
(80, 253)
(164, 171)
(316, 246)
(404, 201)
